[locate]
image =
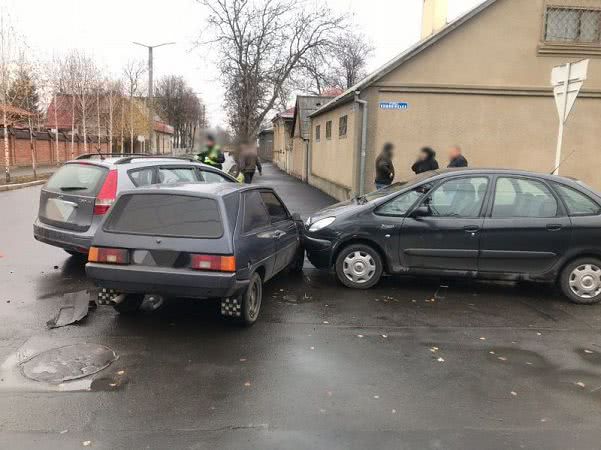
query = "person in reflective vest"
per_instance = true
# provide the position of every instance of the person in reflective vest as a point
(212, 154)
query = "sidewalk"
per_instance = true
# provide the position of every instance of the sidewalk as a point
(299, 197)
(26, 172)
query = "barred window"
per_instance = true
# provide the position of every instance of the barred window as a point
(342, 124)
(318, 132)
(329, 129)
(573, 25)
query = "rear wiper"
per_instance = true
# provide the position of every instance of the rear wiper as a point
(73, 188)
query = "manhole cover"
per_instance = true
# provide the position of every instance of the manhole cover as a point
(67, 363)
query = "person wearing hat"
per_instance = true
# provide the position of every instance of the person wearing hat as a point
(212, 154)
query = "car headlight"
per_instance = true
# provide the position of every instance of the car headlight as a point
(308, 221)
(322, 223)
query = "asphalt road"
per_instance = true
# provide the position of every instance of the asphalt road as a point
(407, 365)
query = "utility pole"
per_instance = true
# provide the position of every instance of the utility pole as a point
(150, 104)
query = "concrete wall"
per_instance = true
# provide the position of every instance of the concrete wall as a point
(484, 86)
(333, 161)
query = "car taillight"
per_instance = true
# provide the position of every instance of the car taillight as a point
(213, 262)
(108, 255)
(108, 193)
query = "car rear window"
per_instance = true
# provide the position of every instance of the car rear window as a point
(77, 179)
(166, 215)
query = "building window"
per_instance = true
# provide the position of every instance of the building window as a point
(318, 133)
(342, 125)
(573, 25)
(329, 129)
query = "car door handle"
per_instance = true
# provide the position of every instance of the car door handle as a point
(279, 234)
(554, 227)
(471, 229)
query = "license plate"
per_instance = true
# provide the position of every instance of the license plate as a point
(60, 210)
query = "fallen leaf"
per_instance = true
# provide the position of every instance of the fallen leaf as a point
(86, 443)
(326, 322)
(376, 397)
(581, 384)
(539, 334)
(491, 352)
(514, 393)
(394, 411)
(588, 351)
(242, 359)
(64, 431)
(359, 335)
(482, 338)
(384, 336)
(247, 384)
(440, 360)
(312, 348)
(121, 372)
(112, 384)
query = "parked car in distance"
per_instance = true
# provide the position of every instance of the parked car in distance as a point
(208, 241)
(75, 199)
(491, 224)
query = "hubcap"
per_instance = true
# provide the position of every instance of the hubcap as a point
(585, 281)
(359, 267)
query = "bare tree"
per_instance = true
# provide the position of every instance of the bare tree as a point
(133, 73)
(340, 65)
(261, 44)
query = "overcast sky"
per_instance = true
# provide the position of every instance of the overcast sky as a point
(106, 28)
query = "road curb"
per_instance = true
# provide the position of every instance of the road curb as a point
(12, 187)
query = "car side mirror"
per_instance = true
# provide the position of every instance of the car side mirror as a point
(296, 217)
(421, 211)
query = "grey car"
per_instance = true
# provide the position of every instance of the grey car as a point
(77, 197)
(200, 241)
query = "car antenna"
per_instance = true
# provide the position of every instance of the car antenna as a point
(562, 161)
(99, 153)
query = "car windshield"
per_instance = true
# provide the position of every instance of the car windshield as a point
(396, 187)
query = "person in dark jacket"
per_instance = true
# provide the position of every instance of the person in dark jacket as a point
(385, 167)
(249, 162)
(426, 161)
(456, 159)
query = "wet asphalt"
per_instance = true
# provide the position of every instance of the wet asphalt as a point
(406, 365)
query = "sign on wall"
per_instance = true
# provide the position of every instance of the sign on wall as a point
(394, 105)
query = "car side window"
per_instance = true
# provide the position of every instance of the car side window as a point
(255, 214)
(142, 177)
(275, 208)
(459, 197)
(207, 176)
(577, 203)
(168, 175)
(522, 197)
(400, 205)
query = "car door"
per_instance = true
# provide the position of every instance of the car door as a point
(526, 229)
(285, 230)
(256, 242)
(447, 237)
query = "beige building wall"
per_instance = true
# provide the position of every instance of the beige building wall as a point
(298, 156)
(333, 161)
(281, 142)
(486, 87)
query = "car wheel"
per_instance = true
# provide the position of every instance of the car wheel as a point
(76, 254)
(130, 304)
(581, 281)
(251, 300)
(359, 266)
(296, 266)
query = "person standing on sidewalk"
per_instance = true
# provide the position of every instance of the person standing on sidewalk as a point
(385, 167)
(456, 159)
(212, 154)
(249, 162)
(426, 161)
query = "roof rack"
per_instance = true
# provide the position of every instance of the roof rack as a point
(103, 155)
(130, 158)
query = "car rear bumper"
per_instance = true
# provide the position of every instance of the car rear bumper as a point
(69, 240)
(319, 251)
(165, 281)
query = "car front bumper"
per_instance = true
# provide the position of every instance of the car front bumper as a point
(69, 240)
(319, 251)
(166, 281)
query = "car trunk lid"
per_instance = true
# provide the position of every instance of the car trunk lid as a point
(67, 201)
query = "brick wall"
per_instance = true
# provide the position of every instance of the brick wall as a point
(45, 148)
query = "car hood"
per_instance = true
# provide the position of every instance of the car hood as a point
(337, 209)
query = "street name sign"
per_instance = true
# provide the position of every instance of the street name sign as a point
(394, 105)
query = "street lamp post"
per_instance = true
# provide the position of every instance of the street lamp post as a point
(151, 93)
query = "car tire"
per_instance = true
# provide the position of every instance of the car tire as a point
(297, 264)
(76, 254)
(359, 266)
(580, 281)
(130, 304)
(250, 301)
